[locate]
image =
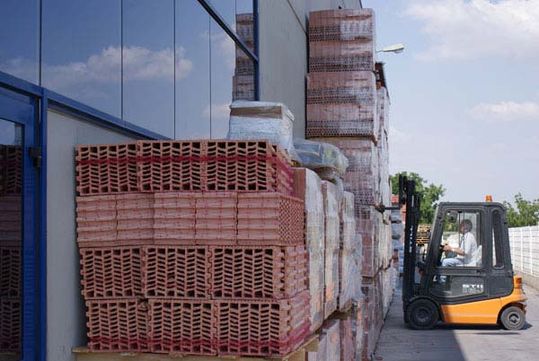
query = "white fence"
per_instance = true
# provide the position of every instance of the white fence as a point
(525, 249)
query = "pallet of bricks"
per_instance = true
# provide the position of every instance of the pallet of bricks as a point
(346, 107)
(10, 247)
(192, 248)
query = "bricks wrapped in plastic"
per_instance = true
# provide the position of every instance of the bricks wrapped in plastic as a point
(184, 166)
(261, 327)
(357, 87)
(252, 120)
(383, 105)
(349, 254)
(342, 24)
(332, 197)
(308, 186)
(97, 221)
(245, 27)
(348, 351)
(324, 158)
(257, 272)
(329, 345)
(341, 120)
(341, 56)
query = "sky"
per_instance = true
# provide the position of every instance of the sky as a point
(464, 93)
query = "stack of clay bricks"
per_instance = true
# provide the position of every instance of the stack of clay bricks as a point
(243, 81)
(10, 247)
(191, 247)
(347, 106)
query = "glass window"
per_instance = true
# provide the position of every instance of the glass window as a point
(245, 22)
(457, 286)
(222, 65)
(10, 236)
(227, 10)
(19, 38)
(82, 53)
(148, 64)
(497, 238)
(192, 71)
(461, 239)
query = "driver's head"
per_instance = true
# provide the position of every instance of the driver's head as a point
(465, 226)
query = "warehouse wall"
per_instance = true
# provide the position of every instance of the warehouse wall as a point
(283, 51)
(66, 323)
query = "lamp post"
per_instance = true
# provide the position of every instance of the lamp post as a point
(395, 48)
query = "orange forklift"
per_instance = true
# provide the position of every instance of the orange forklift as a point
(466, 275)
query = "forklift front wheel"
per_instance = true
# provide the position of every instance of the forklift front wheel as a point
(513, 318)
(422, 314)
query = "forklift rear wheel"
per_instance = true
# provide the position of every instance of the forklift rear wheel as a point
(422, 314)
(513, 318)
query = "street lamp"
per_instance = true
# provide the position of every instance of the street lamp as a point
(395, 48)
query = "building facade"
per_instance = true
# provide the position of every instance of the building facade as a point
(105, 71)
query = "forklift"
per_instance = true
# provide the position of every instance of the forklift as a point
(465, 276)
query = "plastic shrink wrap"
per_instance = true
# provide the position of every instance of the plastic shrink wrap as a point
(308, 186)
(324, 158)
(331, 246)
(341, 25)
(262, 120)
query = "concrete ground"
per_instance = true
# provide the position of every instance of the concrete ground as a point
(399, 343)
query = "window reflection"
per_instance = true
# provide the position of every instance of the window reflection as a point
(19, 38)
(245, 22)
(148, 64)
(227, 10)
(193, 72)
(10, 236)
(82, 53)
(223, 62)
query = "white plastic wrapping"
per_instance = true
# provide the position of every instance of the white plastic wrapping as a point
(324, 158)
(329, 346)
(254, 120)
(331, 244)
(349, 255)
(308, 186)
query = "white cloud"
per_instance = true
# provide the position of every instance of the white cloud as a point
(217, 111)
(506, 111)
(469, 29)
(103, 68)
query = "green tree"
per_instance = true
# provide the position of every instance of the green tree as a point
(430, 194)
(525, 212)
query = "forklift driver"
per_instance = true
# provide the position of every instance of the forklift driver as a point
(466, 249)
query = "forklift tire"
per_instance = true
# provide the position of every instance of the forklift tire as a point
(513, 318)
(422, 314)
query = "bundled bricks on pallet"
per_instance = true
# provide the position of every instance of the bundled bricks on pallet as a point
(329, 348)
(341, 25)
(308, 187)
(275, 327)
(117, 325)
(161, 166)
(331, 196)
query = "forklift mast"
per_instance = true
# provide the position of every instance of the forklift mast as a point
(409, 198)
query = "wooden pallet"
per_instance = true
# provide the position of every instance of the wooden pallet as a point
(84, 354)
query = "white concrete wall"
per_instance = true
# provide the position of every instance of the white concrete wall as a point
(66, 322)
(283, 51)
(524, 242)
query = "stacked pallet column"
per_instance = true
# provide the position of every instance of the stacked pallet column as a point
(348, 108)
(198, 248)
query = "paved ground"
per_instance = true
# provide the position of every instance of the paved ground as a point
(398, 343)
